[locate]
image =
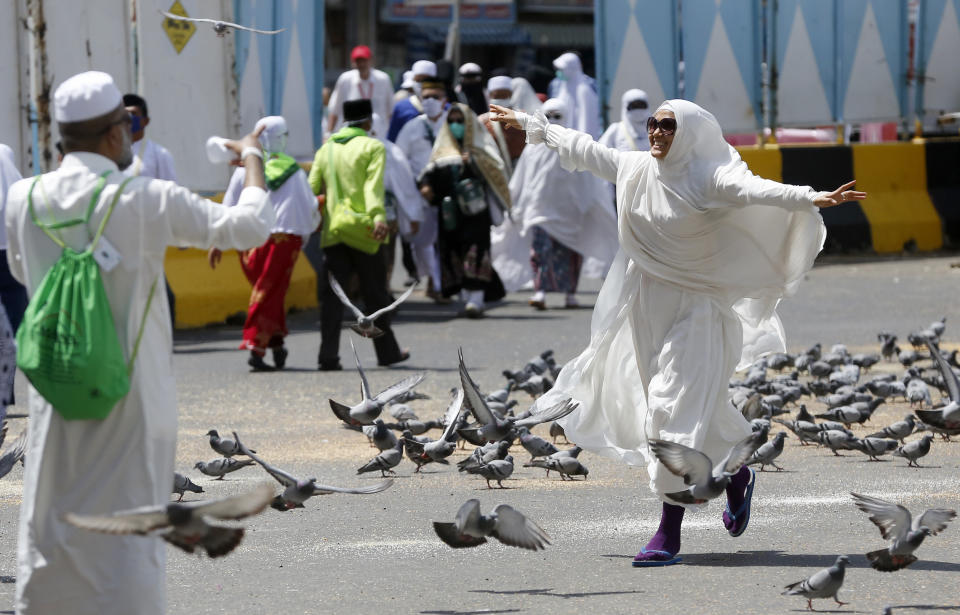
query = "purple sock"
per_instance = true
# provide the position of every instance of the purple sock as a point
(667, 537)
(737, 488)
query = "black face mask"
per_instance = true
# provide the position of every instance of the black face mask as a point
(473, 92)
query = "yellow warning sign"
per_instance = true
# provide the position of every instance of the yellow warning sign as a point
(178, 31)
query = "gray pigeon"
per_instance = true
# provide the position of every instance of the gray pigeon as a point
(768, 452)
(222, 446)
(823, 584)
(415, 448)
(948, 416)
(493, 428)
(297, 491)
(535, 445)
(369, 406)
(13, 454)
(902, 531)
(918, 393)
(567, 467)
(182, 484)
(506, 524)
(364, 325)
(444, 446)
(184, 525)
(876, 447)
(498, 470)
(706, 480)
(898, 430)
(556, 430)
(385, 461)
(409, 396)
(911, 451)
(836, 439)
(403, 412)
(221, 467)
(380, 436)
(485, 454)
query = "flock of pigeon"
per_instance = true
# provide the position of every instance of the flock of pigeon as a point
(837, 379)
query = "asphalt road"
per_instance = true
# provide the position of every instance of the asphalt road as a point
(378, 553)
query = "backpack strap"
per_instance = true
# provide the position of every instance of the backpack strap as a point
(103, 223)
(143, 324)
(46, 228)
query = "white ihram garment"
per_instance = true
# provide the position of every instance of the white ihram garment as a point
(707, 250)
(151, 160)
(293, 202)
(126, 460)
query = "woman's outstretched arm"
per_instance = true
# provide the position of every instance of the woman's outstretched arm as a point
(578, 151)
(741, 187)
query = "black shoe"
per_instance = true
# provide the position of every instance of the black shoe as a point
(404, 355)
(280, 356)
(257, 363)
(329, 366)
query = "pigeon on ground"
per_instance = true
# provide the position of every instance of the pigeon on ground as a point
(414, 447)
(184, 525)
(485, 454)
(182, 484)
(385, 461)
(444, 446)
(381, 437)
(918, 393)
(888, 343)
(938, 326)
(865, 361)
(370, 407)
(219, 27)
(823, 584)
(768, 452)
(403, 412)
(501, 395)
(843, 414)
(898, 430)
(836, 439)
(820, 369)
(902, 531)
(567, 467)
(806, 431)
(876, 447)
(907, 357)
(779, 361)
(223, 446)
(13, 454)
(948, 416)
(221, 467)
(297, 490)
(697, 470)
(535, 445)
(364, 325)
(556, 430)
(911, 451)
(498, 470)
(506, 524)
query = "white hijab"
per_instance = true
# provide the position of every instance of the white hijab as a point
(274, 135)
(523, 97)
(637, 130)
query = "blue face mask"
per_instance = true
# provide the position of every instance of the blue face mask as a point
(458, 130)
(560, 75)
(135, 124)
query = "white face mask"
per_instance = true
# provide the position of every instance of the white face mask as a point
(500, 102)
(432, 107)
(637, 117)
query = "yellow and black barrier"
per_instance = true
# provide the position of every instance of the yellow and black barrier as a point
(914, 191)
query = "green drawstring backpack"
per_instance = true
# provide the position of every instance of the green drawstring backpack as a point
(67, 344)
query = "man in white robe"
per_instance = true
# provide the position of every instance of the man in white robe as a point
(124, 461)
(150, 159)
(363, 81)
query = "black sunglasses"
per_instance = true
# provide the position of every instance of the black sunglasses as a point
(667, 125)
(554, 116)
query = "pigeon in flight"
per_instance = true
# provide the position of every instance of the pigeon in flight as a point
(220, 27)
(371, 407)
(506, 524)
(364, 325)
(948, 416)
(298, 490)
(903, 532)
(706, 481)
(13, 454)
(823, 584)
(182, 484)
(184, 525)
(223, 446)
(221, 467)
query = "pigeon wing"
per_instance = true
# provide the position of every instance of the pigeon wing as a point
(138, 521)
(338, 291)
(236, 506)
(328, 489)
(239, 27)
(406, 295)
(193, 19)
(282, 477)
(741, 452)
(692, 465)
(935, 519)
(892, 519)
(515, 529)
(468, 515)
(364, 385)
(448, 533)
(951, 380)
(473, 398)
(13, 454)
(557, 411)
(452, 417)
(391, 392)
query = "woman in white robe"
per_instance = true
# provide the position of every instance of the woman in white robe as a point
(558, 219)
(707, 250)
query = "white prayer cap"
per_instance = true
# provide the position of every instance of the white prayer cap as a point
(424, 67)
(471, 68)
(86, 96)
(501, 82)
(408, 81)
(274, 135)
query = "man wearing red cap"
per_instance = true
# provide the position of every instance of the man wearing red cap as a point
(363, 81)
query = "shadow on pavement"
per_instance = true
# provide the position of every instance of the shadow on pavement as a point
(798, 560)
(481, 611)
(550, 592)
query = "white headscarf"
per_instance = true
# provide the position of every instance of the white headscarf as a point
(638, 129)
(524, 98)
(557, 105)
(577, 92)
(274, 135)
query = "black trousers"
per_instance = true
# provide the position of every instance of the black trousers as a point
(342, 262)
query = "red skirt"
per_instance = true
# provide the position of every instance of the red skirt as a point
(269, 269)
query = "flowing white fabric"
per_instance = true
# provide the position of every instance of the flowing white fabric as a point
(150, 159)
(399, 180)
(707, 249)
(126, 460)
(570, 206)
(575, 90)
(8, 176)
(523, 97)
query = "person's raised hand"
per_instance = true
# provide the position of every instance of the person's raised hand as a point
(505, 116)
(841, 195)
(250, 140)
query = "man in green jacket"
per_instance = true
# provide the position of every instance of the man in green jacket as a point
(350, 167)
